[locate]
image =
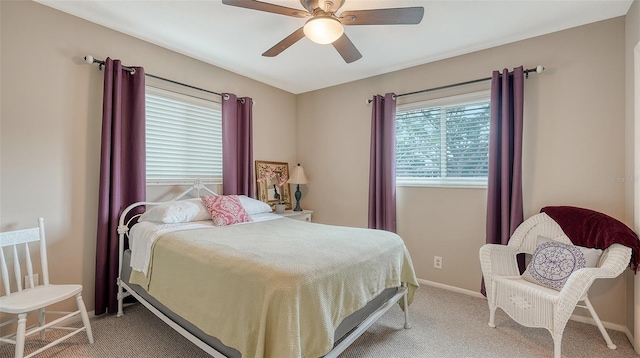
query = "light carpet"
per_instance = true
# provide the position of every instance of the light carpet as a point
(444, 324)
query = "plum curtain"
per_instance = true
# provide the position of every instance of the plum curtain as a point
(122, 170)
(382, 167)
(237, 145)
(504, 191)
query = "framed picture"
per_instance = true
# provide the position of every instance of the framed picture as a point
(271, 183)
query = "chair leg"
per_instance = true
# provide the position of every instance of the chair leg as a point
(603, 331)
(492, 307)
(20, 335)
(492, 316)
(41, 322)
(85, 317)
(557, 345)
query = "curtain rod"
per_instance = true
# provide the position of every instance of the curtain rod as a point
(90, 60)
(537, 69)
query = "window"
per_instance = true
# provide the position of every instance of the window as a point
(184, 138)
(444, 141)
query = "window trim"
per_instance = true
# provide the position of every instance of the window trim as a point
(468, 183)
(446, 182)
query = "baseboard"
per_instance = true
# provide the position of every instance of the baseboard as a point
(607, 325)
(77, 318)
(451, 288)
(574, 317)
(627, 332)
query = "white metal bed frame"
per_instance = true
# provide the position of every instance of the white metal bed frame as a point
(124, 290)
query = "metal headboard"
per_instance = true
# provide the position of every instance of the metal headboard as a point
(123, 228)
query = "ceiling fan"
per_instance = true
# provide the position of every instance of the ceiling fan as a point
(325, 27)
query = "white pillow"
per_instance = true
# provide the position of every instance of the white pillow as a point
(179, 211)
(553, 262)
(253, 206)
(182, 211)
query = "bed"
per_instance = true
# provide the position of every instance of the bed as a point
(271, 287)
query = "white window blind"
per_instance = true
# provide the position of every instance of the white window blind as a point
(443, 142)
(183, 138)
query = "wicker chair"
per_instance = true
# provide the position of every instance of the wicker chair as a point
(534, 305)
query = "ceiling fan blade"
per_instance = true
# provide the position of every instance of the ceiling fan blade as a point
(395, 16)
(347, 49)
(263, 6)
(285, 43)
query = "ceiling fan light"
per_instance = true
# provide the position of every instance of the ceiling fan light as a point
(323, 29)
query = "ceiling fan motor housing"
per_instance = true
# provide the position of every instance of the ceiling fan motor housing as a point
(311, 5)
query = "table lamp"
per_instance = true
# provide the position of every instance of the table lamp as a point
(298, 177)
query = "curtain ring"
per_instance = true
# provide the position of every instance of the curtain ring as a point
(241, 100)
(225, 96)
(133, 71)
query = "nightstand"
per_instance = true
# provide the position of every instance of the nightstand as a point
(304, 215)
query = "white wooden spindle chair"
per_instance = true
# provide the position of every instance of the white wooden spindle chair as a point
(24, 301)
(534, 305)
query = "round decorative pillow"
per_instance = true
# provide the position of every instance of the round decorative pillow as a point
(553, 262)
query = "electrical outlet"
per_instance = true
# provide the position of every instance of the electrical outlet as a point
(27, 282)
(437, 262)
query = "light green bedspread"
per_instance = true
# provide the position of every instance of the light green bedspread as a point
(277, 288)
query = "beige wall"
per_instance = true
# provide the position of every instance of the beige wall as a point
(50, 133)
(632, 36)
(50, 124)
(574, 144)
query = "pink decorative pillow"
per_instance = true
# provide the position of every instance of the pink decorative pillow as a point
(225, 209)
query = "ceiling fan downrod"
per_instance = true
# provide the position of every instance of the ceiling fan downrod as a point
(328, 5)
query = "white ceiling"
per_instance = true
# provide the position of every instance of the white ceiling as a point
(234, 38)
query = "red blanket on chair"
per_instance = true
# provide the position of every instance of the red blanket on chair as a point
(590, 228)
